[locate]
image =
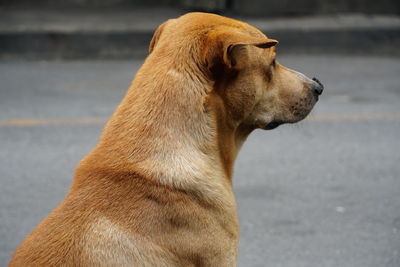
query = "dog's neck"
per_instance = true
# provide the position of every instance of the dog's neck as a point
(174, 130)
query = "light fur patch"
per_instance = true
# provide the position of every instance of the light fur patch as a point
(106, 244)
(174, 73)
(190, 169)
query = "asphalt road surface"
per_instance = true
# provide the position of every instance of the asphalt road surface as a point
(324, 192)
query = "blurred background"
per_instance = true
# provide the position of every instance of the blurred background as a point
(322, 192)
(49, 29)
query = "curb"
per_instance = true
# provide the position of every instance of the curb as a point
(123, 34)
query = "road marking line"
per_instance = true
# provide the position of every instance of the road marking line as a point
(353, 117)
(45, 122)
(99, 121)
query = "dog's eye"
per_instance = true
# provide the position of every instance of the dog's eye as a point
(273, 63)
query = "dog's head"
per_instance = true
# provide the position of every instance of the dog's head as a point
(257, 91)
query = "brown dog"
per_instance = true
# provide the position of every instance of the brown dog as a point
(156, 190)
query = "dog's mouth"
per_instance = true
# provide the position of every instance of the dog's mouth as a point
(273, 124)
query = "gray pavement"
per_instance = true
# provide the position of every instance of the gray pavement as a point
(324, 192)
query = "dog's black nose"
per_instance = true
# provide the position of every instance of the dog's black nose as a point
(317, 87)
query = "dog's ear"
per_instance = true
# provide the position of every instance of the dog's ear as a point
(226, 49)
(157, 35)
(236, 52)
